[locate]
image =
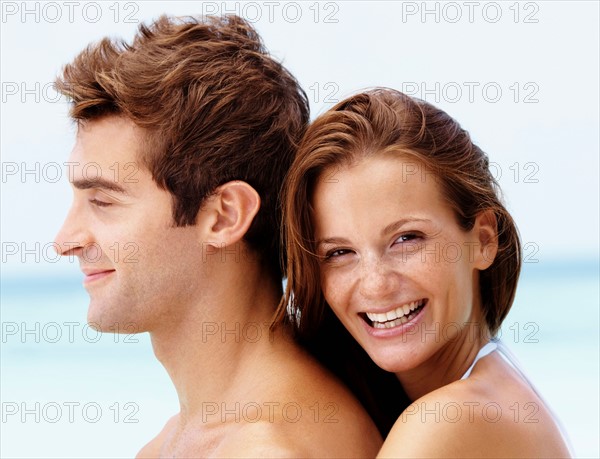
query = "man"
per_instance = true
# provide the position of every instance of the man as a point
(183, 140)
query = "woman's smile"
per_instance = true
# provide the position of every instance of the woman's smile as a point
(394, 317)
(379, 236)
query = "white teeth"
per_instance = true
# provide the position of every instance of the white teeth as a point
(393, 318)
(391, 323)
(376, 317)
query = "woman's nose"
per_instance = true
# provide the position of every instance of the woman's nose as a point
(378, 280)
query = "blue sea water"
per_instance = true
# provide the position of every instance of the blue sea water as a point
(68, 391)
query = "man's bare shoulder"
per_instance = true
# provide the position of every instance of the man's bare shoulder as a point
(281, 434)
(311, 400)
(286, 406)
(261, 439)
(152, 449)
(266, 439)
(296, 408)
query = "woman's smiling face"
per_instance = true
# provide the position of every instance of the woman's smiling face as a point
(396, 268)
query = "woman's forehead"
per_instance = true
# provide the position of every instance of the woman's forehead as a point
(383, 187)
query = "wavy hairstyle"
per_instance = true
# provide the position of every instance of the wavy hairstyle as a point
(381, 121)
(214, 107)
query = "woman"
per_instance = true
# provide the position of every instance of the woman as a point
(393, 221)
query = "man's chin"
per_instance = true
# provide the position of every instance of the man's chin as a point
(116, 325)
(95, 325)
(105, 322)
(102, 325)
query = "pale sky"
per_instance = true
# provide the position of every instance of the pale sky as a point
(521, 78)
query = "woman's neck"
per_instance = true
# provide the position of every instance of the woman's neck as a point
(448, 364)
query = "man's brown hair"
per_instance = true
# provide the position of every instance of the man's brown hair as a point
(213, 104)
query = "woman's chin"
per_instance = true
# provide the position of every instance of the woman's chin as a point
(390, 360)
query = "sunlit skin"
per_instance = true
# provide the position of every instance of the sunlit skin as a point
(386, 238)
(139, 268)
(198, 290)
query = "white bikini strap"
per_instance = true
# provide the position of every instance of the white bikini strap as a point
(485, 350)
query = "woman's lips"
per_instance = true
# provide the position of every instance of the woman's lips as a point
(398, 321)
(396, 316)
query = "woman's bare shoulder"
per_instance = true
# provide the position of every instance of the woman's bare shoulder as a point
(442, 423)
(486, 415)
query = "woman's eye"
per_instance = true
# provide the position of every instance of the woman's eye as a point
(406, 238)
(336, 253)
(99, 203)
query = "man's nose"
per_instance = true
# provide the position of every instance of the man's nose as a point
(72, 236)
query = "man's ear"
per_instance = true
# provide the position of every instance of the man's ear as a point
(486, 230)
(230, 211)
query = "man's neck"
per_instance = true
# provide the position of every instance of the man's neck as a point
(210, 351)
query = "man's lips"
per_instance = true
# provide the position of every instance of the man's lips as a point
(95, 274)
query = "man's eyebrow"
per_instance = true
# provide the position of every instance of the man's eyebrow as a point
(98, 182)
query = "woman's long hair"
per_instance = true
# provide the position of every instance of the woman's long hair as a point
(384, 121)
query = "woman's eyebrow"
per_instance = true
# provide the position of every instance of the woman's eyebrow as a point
(100, 183)
(333, 240)
(395, 226)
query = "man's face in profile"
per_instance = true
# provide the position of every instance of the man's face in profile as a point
(140, 271)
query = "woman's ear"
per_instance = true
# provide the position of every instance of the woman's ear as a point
(486, 230)
(231, 210)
